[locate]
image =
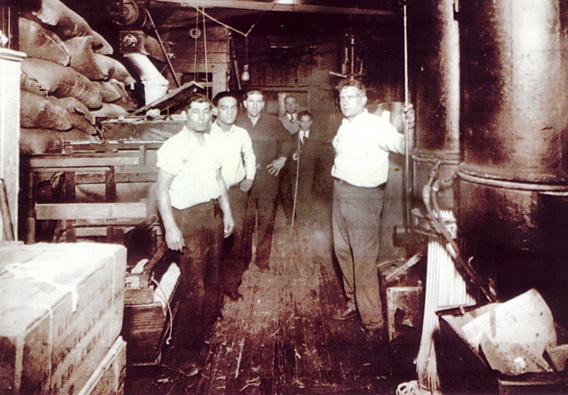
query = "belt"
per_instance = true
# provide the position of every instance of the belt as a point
(343, 182)
(213, 203)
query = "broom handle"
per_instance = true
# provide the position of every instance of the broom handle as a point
(296, 185)
(7, 225)
(406, 129)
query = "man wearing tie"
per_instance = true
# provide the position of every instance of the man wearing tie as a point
(288, 110)
(289, 118)
(307, 153)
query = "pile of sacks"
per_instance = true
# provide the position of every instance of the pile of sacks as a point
(68, 79)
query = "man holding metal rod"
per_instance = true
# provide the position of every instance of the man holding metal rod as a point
(360, 172)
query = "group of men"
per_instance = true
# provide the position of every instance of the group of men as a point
(217, 179)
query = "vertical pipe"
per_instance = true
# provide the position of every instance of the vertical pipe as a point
(434, 37)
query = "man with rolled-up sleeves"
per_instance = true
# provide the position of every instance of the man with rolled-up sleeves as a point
(190, 192)
(362, 145)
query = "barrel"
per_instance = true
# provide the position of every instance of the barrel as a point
(513, 178)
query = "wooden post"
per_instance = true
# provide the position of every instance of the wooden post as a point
(10, 127)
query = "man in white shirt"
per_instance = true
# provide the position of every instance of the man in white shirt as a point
(189, 186)
(238, 168)
(360, 171)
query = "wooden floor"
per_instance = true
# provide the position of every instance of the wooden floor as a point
(281, 339)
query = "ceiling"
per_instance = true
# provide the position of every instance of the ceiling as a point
(270, 17)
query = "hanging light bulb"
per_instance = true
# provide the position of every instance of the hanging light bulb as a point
(245, 77)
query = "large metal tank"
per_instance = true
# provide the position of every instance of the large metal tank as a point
(513, 180)
(434, 38)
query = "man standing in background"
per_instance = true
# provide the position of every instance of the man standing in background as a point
(269, 143)
(288, 116)
(238, 168)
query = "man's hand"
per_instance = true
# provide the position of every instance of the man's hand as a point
(228, 225)
(246, 185)
(174, 238)
(296, 155)
(276, 165)
(409, 115)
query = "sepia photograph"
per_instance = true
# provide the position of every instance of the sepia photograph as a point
(283, 197)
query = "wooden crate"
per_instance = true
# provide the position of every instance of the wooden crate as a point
(62, 308)
(146, 325)
(108, 378)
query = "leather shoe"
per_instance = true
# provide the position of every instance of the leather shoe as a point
(234, 295)
(346, 314)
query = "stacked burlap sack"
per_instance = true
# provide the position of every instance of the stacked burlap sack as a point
(68, 79)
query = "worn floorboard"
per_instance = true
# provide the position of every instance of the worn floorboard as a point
(281, 338)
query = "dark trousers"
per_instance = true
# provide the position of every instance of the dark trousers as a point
(237, 249)
(261, 206)
(356, 221)
(200, 291)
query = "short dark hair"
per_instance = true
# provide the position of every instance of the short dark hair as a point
(305, 113)
(253, 91)
(354, 83)
(197, 98)
(222, 95)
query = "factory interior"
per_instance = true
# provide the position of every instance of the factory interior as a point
(471, 275)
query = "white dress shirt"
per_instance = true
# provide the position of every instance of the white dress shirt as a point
(234, 147)
(303, 134)
(194, 164)
(362, 147)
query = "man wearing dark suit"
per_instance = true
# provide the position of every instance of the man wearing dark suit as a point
(288, 116)
(269, 144)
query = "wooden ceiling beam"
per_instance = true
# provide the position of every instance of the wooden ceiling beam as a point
(265, 6)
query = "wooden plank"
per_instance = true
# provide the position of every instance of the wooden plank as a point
(188, 46)
(124, 159)
(72, 211)
(10, 129)
(272, 6)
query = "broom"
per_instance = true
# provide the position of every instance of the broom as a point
(450, 281)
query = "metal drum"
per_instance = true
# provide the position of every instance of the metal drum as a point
(513, 180)
(435, 42)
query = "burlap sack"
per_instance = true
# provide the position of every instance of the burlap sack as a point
(83, 58)
(60, 81)
(68, 24)
(38, 42)
(40, 141)
(43, 112)
(114, 69)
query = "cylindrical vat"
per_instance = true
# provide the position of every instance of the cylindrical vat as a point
(513, 180)
(514, 79)
(435, 47)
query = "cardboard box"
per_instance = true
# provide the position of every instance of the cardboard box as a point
(463, 369)
(62, 308)
(108, 378)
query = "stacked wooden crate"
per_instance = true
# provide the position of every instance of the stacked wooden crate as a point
(62, 310)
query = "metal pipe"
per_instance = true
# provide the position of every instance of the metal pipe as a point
(168, 60)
